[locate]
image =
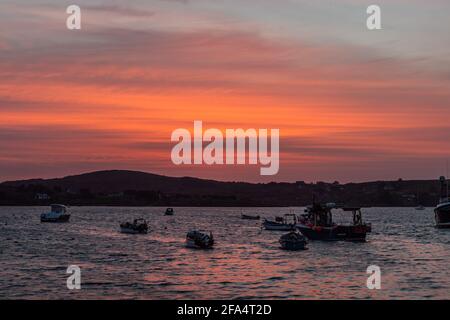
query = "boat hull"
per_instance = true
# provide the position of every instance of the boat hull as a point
(245, 217)
(275, 226)
(335, 233)
(132, 231)
(192, 244)
(442, 215)
(293, 245)
(58, 219)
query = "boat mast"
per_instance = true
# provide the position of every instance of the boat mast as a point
(447, 179)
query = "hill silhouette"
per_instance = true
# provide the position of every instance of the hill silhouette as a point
(134, 188)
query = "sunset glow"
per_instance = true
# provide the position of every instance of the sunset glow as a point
(351, 104)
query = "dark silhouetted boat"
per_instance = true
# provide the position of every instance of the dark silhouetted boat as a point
(138, 226)
(199, 240)
(58, 213)
(293, 240)
(320, 226)
(169, 212)
(442, 210)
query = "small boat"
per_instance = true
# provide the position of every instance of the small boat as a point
(169, 212)
(248, 217)
(289, 223)
(138, 226)
(442, 210)
(293, 240)
(199, 240)
(58, 213)
(420, 207)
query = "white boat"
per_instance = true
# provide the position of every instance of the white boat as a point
(249, 217)
(138, 226)
(289, 223)
(58, 213)
(199, 240)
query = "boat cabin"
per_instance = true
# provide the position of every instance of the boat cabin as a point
(357, 215)
(290, 218)
(321, 215)
(58, 208)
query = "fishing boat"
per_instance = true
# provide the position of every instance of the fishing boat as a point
(58, 213)
(199, 240)
(138, 226)
(322, 227)
(169, 212)
(289, 223)
(249, 217)
(442, 210)
(293, 240)
(420, 207)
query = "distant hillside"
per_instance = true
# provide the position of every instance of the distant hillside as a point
(133, 188)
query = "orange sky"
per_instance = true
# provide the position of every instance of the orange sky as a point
(109, 96)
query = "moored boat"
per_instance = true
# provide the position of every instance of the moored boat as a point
(442, 210)
(322, 227)
(293, 240)
(199, 240)
(289, 223)
(58, 213)
(249, 217)
(169, 212)
(138, 226)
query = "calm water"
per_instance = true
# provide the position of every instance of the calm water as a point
(413, 256)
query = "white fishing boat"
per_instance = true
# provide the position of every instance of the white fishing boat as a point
(289, 223)
(58, 213)
(199, 240)
(138, 226)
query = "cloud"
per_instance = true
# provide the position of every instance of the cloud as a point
(112, 96)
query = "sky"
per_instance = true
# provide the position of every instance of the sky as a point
(351, 104)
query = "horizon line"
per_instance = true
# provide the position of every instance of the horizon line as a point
(224, 181)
